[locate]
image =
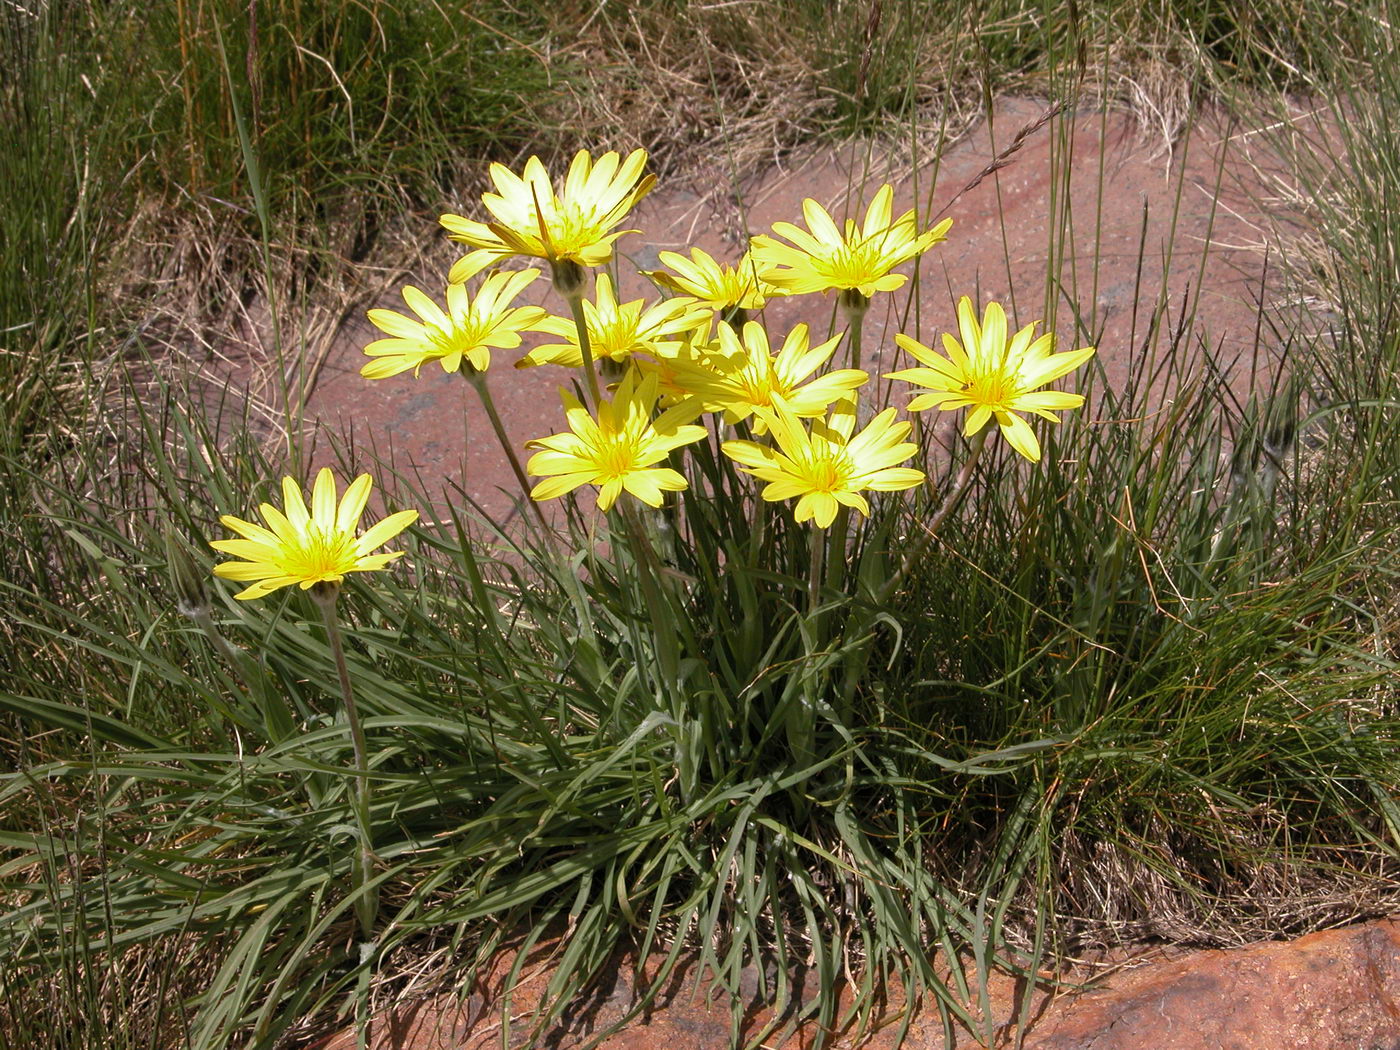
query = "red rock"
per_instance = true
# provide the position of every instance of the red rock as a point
(1122, 194)
(1336, 990)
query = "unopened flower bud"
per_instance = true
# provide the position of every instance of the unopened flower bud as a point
(191, 596)
(568, 276)
(853, 303)
(1281, 421)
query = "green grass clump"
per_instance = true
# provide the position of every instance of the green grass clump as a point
(1170, 685)
(53, 226)
(345, 102)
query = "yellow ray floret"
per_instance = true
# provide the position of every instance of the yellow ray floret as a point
(740, 376)
(617, 331)
(466, 332)
(719, 286)
(823, 257)
(696, 350)
(304, 546)
(576, 224)
(825, 467)
(994, 377)
(619, 450)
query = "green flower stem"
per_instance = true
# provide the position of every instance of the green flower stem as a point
(855, 667)
(854, 305)
(758, 531)
(478, 381)
(950, 503)
(585, 346)
(814, 570)
(366, 900)
(650, 576)
(664, 630)
(836, 549)
(799, 714)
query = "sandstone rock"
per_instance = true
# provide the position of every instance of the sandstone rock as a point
(1335, 990)
(999, 247)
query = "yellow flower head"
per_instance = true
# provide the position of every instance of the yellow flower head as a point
(576, 225)
(695, 350)
(740, 377)
(468, 330)
(619, 449)
(826, 467)
(860, 259)
(717, 285)
(992, 376)
(616, 332)
(308, 547)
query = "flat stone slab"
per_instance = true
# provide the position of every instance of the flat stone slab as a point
(1130, 228)
(1334, 990)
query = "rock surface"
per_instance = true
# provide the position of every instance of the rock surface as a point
(1335, 990)
(1148, 243)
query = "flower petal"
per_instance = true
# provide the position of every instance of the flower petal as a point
(383, 531)
(1020, 435)
(323, 501)
(352, 504)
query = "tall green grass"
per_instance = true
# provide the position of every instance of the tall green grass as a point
(53, 170)
(1143, 690)
(350, 105)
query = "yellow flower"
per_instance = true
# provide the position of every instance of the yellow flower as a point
(617, 451)
(860, 259)
(995, 378)
(468, 329)
(308, 547)
(696, 350)
(826, 467)
(719, 286)
(616, 332)
(574, 226)
(739, 377)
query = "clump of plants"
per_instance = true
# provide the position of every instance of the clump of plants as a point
(755, 517)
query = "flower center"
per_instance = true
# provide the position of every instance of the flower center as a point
(828, 473)
(761, 383)
(571, 227)
(320, 556)
(462, 337)
(617, 456)
(855, 264)
(993, 390)
(616, 337)
(734, 288)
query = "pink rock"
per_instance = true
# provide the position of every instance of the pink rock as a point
(1335, 990)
